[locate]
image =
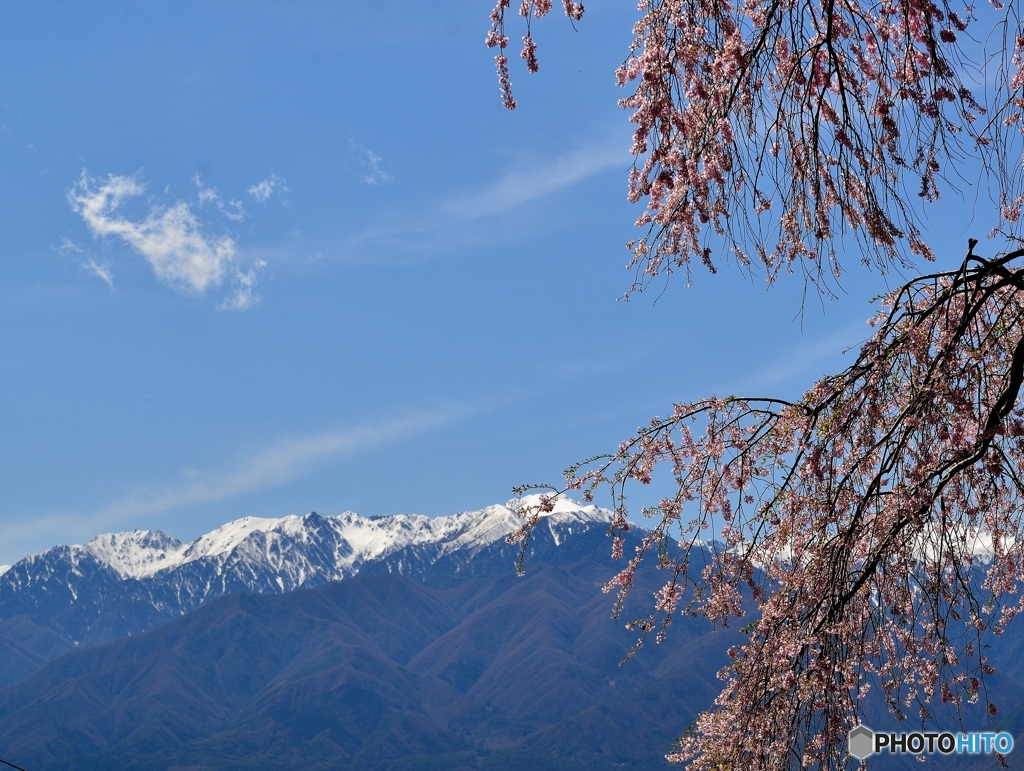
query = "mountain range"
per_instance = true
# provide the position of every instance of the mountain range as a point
(364, 644)
(122, 584)
(136, 651)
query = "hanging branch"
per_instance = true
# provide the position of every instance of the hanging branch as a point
(877, 523)
(775, 130)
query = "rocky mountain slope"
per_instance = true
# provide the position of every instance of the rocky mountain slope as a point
(379, 673)
(123, 584)
(429, 655)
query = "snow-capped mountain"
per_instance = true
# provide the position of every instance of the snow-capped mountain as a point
(299, 548)
(124, 583)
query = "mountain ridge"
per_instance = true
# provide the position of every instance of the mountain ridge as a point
(122, 584)
(378, 672)
(146, 553)
(427, 659)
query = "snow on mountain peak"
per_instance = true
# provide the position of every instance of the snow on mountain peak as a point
(350, 540)
(563, 506)
(135, 553)
(227, 537)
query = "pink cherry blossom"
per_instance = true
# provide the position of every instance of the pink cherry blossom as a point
(854, 519)
(796, 131)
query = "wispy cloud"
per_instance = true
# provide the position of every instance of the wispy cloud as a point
(373, 174)
(262, 191)
(243, 297)
(170, 238)
(281, 463)
(800, 366)
(67, 247)
(101, 272)
(466, 218)
(278, 464)
(233, 210)
(519, 187)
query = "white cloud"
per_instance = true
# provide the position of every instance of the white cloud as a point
(170, 238)
(370, 161)
(101, 272)
(805, 360)
(262, 191)
(243, 297)
(233, 210)
(66, 247)
(277, 465)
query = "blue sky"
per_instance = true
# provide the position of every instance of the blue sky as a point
(267, 258)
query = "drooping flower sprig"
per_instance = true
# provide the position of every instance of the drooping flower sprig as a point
(774, 130)
(876, 525)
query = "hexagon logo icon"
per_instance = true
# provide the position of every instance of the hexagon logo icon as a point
(862, 741)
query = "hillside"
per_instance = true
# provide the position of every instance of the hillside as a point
(376, 672)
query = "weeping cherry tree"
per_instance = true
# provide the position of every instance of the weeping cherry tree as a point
(876, 522)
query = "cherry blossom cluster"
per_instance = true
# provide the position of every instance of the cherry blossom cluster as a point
(872, 530)
(772, 130)
(775, 128)
(496, 38)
